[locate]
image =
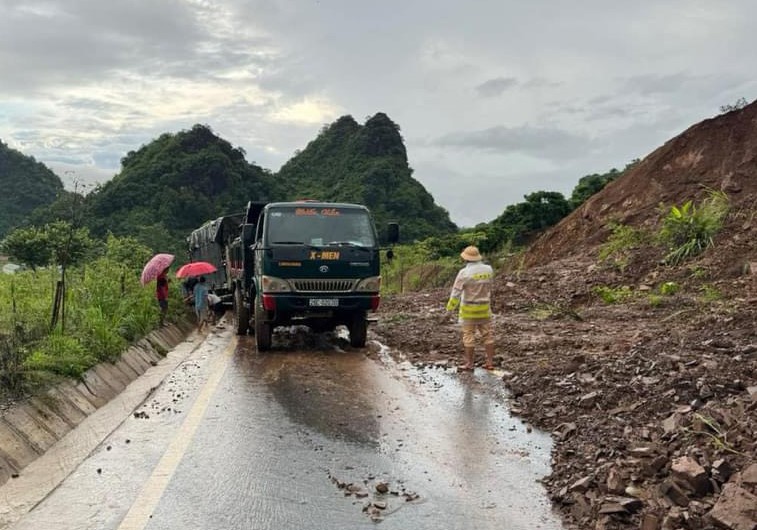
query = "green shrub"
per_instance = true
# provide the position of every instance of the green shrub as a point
(710, 293)
(612, 295)
(654, 300)
(669, 288)
(138, 322)
(621, 241)
(62, 355)
(12, 355)
(102, 335)
(699, 272)
(688, 230)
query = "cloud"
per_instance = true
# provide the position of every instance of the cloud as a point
(542, 142)
(651, 84)
(308, 111)
(87, 81)
(495, 87)
(482, 195)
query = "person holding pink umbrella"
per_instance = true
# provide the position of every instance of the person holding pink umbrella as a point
(156, 269)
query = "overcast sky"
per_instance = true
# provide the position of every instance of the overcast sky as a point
(495, 99)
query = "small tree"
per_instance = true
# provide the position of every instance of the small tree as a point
(738, 105)
(28, 246)
(69, 246)
(128, 251)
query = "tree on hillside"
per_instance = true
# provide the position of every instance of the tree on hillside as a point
(590, 184)
(540, 210)
(366, 164)
(127, 251)
(174, 184)
(67, 205)
(737, 105)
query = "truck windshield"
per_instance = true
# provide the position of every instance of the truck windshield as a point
(320, 226)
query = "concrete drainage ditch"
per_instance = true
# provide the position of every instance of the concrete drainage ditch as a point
(29, 428)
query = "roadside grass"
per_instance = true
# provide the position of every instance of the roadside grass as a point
(106, 308)
(417, 267)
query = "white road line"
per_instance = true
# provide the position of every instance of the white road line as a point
(141, 510)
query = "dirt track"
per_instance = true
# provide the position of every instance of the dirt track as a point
(628, 390)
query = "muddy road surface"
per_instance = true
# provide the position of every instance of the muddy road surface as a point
(312, 435)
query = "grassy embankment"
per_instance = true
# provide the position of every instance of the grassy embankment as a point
(106, 309)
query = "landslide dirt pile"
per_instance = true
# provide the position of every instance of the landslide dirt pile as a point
(716, 154)
(651, 398)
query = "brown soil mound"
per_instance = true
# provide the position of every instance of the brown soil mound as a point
(652, 401)
(717, 154)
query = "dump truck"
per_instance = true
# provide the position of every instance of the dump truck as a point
(306, 263)
(210, 243)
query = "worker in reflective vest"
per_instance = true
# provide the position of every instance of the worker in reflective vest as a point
(471, 294)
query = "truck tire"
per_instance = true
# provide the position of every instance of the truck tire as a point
(241, 314)
(263, 329)
(358, 329)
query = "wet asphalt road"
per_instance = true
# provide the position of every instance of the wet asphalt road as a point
(300, 438)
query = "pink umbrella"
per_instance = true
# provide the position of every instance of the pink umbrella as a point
(196, 268)
(157, 264)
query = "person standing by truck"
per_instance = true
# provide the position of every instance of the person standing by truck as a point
(215, 307)
(201, 302)
(471, 293)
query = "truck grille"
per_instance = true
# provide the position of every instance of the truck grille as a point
(324, 286)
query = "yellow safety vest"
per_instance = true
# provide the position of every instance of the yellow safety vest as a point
(471, 291)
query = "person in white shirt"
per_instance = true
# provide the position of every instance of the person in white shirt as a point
(216, 307)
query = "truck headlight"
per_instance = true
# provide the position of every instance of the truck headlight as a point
(271, 284)
(369, 285)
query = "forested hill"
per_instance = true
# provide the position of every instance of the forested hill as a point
(178, 181)
(366, 164)
(26, 184)
(174, 184)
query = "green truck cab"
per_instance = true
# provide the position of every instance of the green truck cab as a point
(306, 263)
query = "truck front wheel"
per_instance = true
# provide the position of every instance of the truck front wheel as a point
(358, 328)
(263, 329)
(241, 314)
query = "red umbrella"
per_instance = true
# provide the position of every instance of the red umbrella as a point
(157, 264)
(196, 268)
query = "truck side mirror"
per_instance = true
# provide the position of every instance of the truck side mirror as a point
(389, 255)
(393, 232)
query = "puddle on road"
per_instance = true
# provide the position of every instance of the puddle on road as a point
(444, 436)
